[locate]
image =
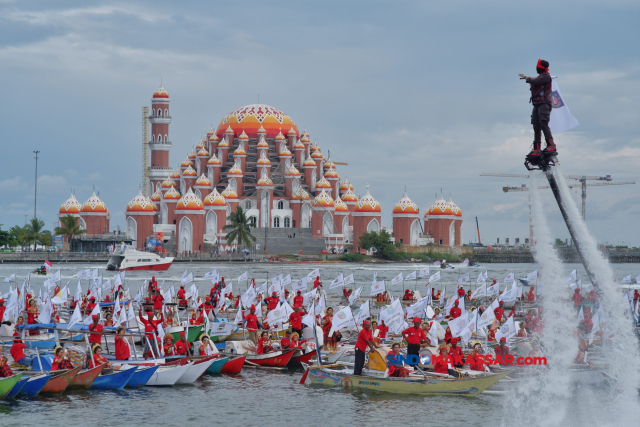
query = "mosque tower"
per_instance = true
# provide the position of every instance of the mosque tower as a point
(159, 144)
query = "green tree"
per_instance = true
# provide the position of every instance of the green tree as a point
(19, 236)
(37, 234)
(69, 228)
(5, 237)
(379, 243)
(240, 228)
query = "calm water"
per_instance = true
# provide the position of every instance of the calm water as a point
(266, 398)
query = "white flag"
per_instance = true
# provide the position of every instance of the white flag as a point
(76, 317)
(580, 317)
(638, 279)
(509, 278)
(349, 279)
(434, 277)
(222, 328)
(433, 333)
(338, 282)
(250, 295)
(493, 289)
(487, 318)
(243, 276)
(89, 319)
(362, 313)
(60, 298)
(300, 285)
(532, 275)
(480, 292)
(314, 273)
(278, 316)
(211, 275)
(186, 279)
(262, 289)
(411, 276)
(625, 280)
(117, 281)
(480, 279)
(47, 311)
(458, 324)
(84, 274)
(378, 288)
(94, 273)
(596, 326)
(342, 319)
(10, 278)
(417, 309)
(320, 306)
(509, 295)
(424, 272)
(507, 330)
(464, 279)
(561, 118)
(393, 312)
(309, 297)
(397, 279)
(355, 295)
(286, 280)
(275, 288)
(572, 277)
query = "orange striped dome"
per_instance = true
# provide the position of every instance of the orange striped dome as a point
(263, 143)
(367, 204)
(280, 136)
(235, 170)
(252, 118)
(189, 202)
(161, 93)
(240, 151)
(215, 199)
(340, 205)
(191, 155)
(331, 173)
(203, 180)
(172, 194)
(157, 196)
(324, 200)
(187, 162)
(261, 131)
(140, 203)
(211, 132)
(301, 194)
(229, 193)
(71, 206)
(292, 132)
(176, 174)
(298, 145)
(94, 204)
(203, 152)
(454, 208)
(329, 164)
(317, 155)
(223, 143)
(284, 151)
(190, 172)
(405, 206)
(265, 181)
(168, 183)
(346, 185)
(349, 196)
(314, 147)
(322, 183)
(264, 160)
(292, 171)
(214, 160)
(214, 138)
(243, 136)
(441, 207)
(309, 162)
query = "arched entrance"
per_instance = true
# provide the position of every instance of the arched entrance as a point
(185, 236)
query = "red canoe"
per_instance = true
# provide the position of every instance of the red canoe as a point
(299, 358)
(278, 359)
(59, 382)
(84, 379)
(233, 366)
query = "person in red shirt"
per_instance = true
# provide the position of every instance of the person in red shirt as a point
(468, 296)
(364, 340)
(108, 319)
(122, 344)
(491, 335)
(588, 322)
(330, 342)
(196, 320)
(447, 335)
(272, 301)
(592, 296)
(577, 298)
(407, 295)
(499, 311)
(60, 360)
(443, 362)
(522, 332)
(296, 342)
(17, 352)
(513, 311)
(531, 296)
(153, 284)
(252, 324)
(383, 330)
(183, 303)
(151, 333)
(182, 293)
(461, 292)
(502, 350)
(298, 299)
(414, 337)
(394, 367)
(285, 342)
(2, 309)
(95, 327)
(295, 319)
(168, 345)
(157, 300)
(183, 346)
(207, 306)
(475, 358)
(456, 353)
(317, 282)
(90, 306)
(264, 344)
(97, 357)
(636, 295)
(455, 311)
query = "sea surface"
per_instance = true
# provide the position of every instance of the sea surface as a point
(270, 398)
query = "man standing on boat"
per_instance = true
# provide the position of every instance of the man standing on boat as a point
(252, 324)
(317, 282)
(151, 333)
(98, 329)
(364, 340)
(414, 337)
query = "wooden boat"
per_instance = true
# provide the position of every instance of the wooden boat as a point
(299, 357)
(218, 364)
(278, 359)
(85, 378)
(115, 380)
(34, 385)
(8, 383)
(233, 365)
(341, 375)
(196, 370)
(59, 381)
(167, 375)
(141, 376)
(16, 388)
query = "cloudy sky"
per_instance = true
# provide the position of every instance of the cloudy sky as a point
(419, 94)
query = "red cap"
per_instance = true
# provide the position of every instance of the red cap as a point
(94, 317)
(494, 281)
(2, 300)
(539, 65)
(149, 313)
(407, 290)
(457, 301)
(274, 293)
(366, 322)
(318, 277)
(454, 340)
(501, 303)
(253, 306)
(207, 299)
(503, 339)
(416, 319)
(299, 291)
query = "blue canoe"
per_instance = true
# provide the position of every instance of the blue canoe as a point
(16, 389)
(142, 376)
(114, 381)
(34, 385)
(217, 365)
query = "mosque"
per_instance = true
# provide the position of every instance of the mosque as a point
(258, 159)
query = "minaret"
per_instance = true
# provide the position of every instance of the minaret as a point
(159, 144)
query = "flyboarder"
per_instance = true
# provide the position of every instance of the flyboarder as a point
(541, 100)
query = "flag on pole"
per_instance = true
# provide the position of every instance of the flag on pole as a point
(625, 280)
(434, 277)
(377, 288)
(532, 275)
(89, 319)
(392, 313)
(186, 278)
(285, 280)
(424, 272)
(315, 272)
(60, 298)
(300, 285)
(507, 330)
(397, 279)
(338, 282)
(411, 276)
(355, 295)
(561, 119)
(362, 313)
(464, 279)
(572, 277)
(13, 277)
(243, 276)
(487, 318)
(262, 289)
(76, 317)
(480, 279)
(342, 319)
(213, 274)
(222, 328)
(509, 278)
(349, 279)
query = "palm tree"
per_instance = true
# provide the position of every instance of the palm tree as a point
(69, 228)
(240, 228)
(37, 234)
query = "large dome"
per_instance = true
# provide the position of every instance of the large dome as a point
(251, 117)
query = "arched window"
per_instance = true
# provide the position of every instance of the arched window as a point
(373, 226)
(153, 138)
(313, 180)
(153, 112)
(164, 214)
(415, 233)
(276, 222)
(185, 235)
(253, 221)
(166, 113)
(452, 234)
(132, 229)
(233, 184)
(183, 186)
(295, 186)
(327, 224)
(304, 217)
(280, 204)
(212, 223)
(264, 209)
(199, 194)
(166, 138)
(247, 205)
(159, 112)
(287, 222)
(228, 214)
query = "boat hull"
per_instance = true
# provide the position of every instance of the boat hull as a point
(115, 381)
(195, 371)
(217, 365)
(233, 366)
(276, 359)
(471, 386)
(167, 376)
(298, 359)
(84, 379)
(154, 267)
(59, 383)
(8, 383)
(13, 393)
(141, 376)
(34, 385)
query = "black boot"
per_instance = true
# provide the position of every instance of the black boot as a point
(535, 152)
(551, 147)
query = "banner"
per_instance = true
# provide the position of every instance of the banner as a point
(480, 279)
(464, 279)
(561, 119)
(300, 285)
(480, 292)
(355, 295)
(411, 276)
(532, 275)
(392, 313)
(262, 289)
(507, 330)
(349, 279)
(211, 275)
(338, 282)
(510, 278)
(397, 279)
(378, 288)
(314, 273)
(186, 279)
(243, 276)
(342, 319)
(362, 313)
(435, 277)
(424, 272)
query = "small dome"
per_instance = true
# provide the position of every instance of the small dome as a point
(168, 183)
(187, 162)
(189, 202)
(190, 172)
(211, 132)
(329, 164)
(298, 145)
(317, 155)
(223, 143)
(323, 199)
(405, 206)
(264, 160)
(346, 185)
(292, 171)
(301, 194)
(305, 137)
(265, 181)
(199, 147)
(203, 180)
(454, 208)
(161, 93)
(172, 194)
(243, 136)
(240, 151)
(442, 207)
(261, 130)
(235, 170)
(215, 199)
(349, 196)
(314, 147)
(284, 151)
(140, 203)
(94, 204)
(229, 130)
(280, 136)
(322, 183)
(71, 206)
(331, 173)
(191, 155)
(340, 205)
(203, 153)
(214, 160)
(263, 142)
(292, 131)
(214, 138)
(157, 196)
(229, 193)
(309, 162)
(367, 204)
(176, 173)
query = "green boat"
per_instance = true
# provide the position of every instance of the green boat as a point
(6, 384)
(194, 333)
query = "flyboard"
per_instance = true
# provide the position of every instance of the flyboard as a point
(547, 163)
